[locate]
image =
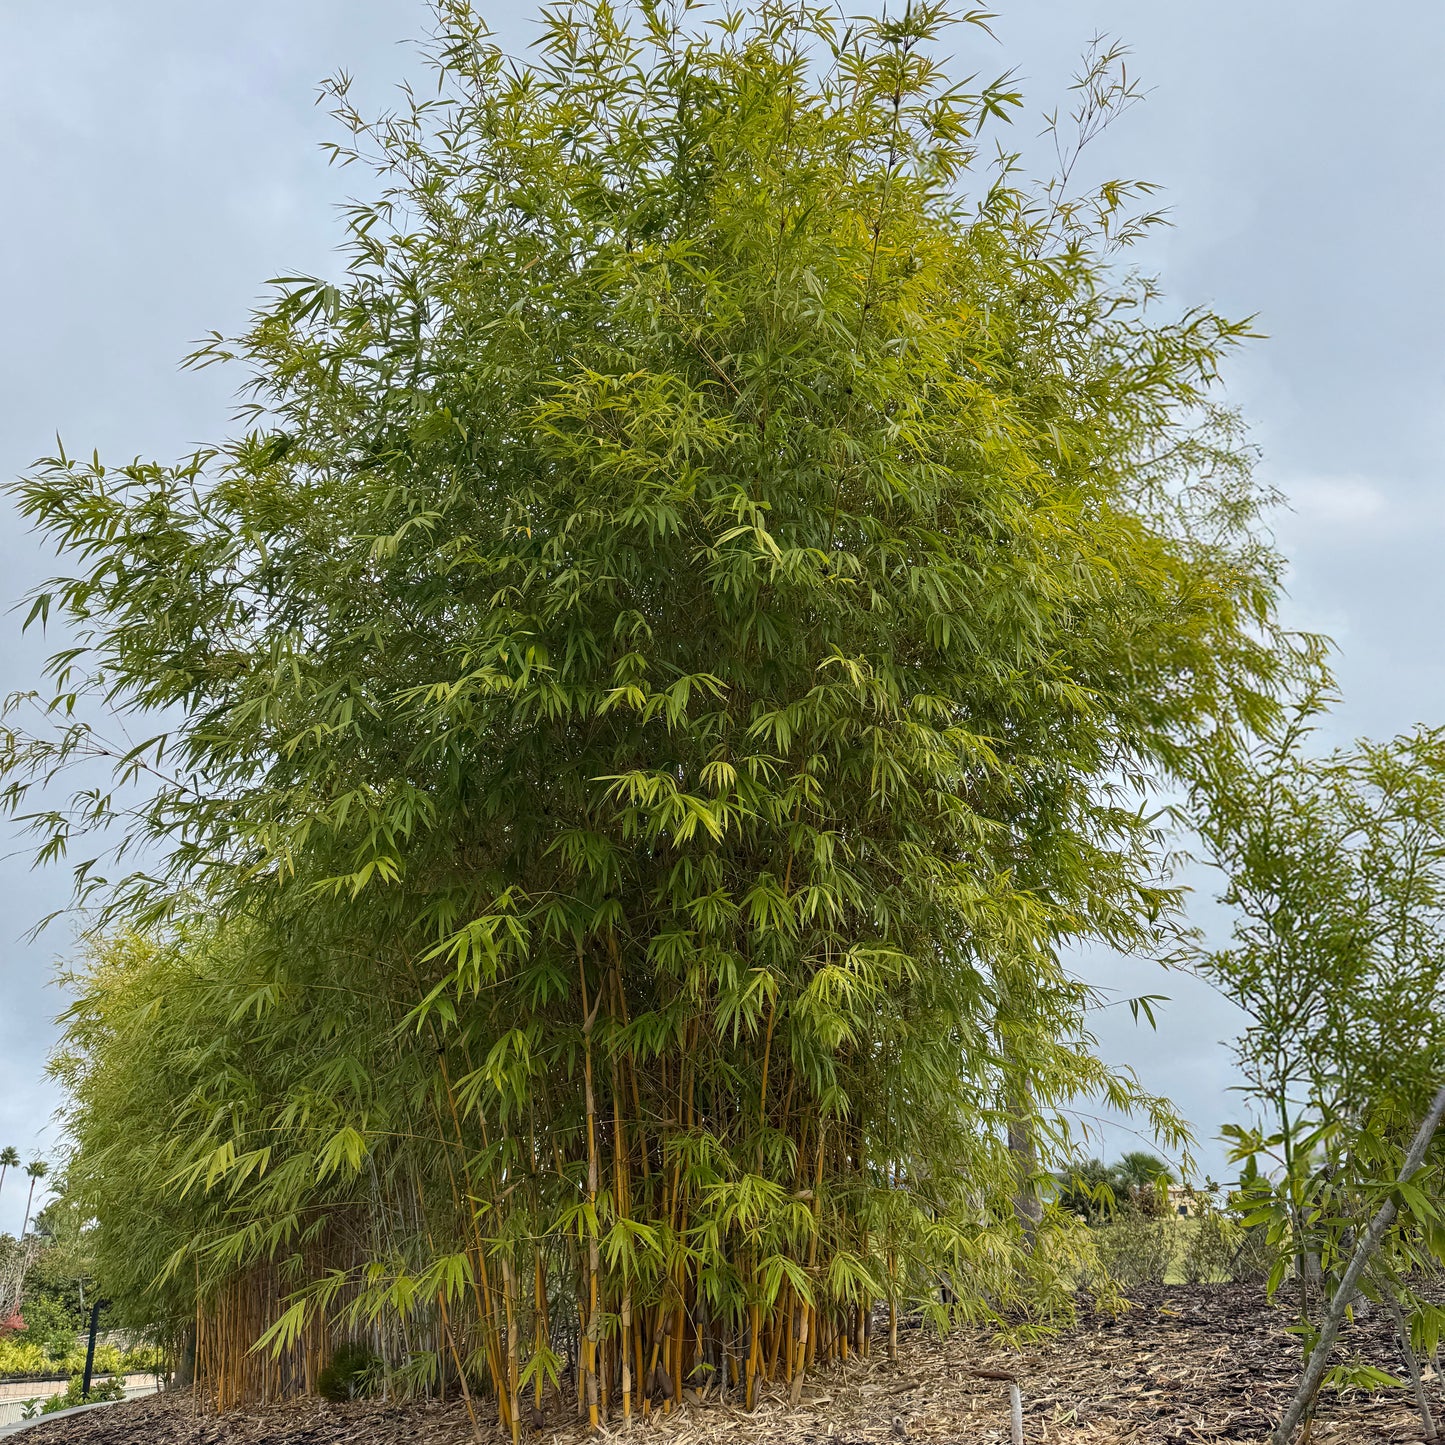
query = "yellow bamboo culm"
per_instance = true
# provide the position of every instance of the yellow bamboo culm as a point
(643, 1343)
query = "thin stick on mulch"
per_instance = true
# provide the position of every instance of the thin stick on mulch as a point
(1186, 1364)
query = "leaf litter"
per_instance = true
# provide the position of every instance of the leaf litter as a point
(1184, 1363)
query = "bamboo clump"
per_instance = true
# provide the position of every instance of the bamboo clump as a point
(651, 699)
(630, 1339)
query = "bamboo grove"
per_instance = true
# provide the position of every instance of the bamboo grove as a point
(606, 764)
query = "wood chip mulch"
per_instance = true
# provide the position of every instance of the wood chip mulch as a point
(1184, 1364)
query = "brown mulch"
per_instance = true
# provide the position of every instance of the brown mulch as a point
(1185, 1364)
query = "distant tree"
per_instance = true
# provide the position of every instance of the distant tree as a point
(1097, 1190)
(1142, 1170)
(59, 1284)
(1143, 1177)
(35, 1171)
(16, 1258)
(1088, 1189)
(9, 1159)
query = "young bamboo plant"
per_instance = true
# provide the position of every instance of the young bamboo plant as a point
(1333, 865)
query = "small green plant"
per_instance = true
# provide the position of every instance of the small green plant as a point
(72, 1394)
(30, 1408)
(351, 1373)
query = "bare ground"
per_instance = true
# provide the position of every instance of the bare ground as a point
(1185, 1364)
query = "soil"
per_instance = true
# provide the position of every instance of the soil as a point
(1186, 1363)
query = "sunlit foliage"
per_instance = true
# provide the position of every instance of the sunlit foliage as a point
(667, 667)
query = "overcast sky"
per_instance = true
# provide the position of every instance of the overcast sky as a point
(161, 160)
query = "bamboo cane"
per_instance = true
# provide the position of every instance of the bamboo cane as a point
(461, 1369)
(508, 1291)
(590, 1354)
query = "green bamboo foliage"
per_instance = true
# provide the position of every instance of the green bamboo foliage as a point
(644, 706)
(1331, 865)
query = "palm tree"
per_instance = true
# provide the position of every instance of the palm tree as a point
(1144, 1178)
(1095, 1189)
(1088, 1188)
(37, 1169)
(1142, 1170)
(9, 1159)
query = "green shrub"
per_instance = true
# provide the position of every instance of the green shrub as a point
(1210, 1247)
(1137, 1249)
(1213, 1244)
(1254, 1255)
(21, 1357)
(144, 1359)
(350, 1375)
(50, 1324)
(107, 1389)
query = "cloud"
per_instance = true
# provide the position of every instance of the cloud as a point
(1337, 502)
(162, 167)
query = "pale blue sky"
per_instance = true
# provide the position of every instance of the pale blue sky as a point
(161, 160)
